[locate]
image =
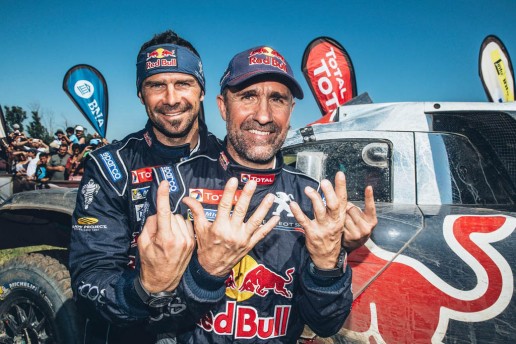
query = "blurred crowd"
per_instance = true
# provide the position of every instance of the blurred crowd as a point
(36, 163)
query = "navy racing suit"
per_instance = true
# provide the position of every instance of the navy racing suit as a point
(271, 293)
(106, 223)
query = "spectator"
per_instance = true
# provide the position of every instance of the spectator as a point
(33, 157)
(71, 136)
(79, 133)
(75, 164)
(57, 164)
(41, 172)
(39, 145)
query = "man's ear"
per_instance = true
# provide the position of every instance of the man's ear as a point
(222, 106)
(202, 96)
(141, 97)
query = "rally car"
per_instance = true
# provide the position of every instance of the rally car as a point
(438, 268)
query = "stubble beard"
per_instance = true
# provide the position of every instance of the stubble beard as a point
(176, 128)
(251, 151)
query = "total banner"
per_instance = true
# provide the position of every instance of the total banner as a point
(87, 88)
(329, 72)
(495, 70)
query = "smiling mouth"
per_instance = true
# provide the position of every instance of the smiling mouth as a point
(259, 132)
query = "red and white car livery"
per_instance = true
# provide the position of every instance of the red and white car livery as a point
(440, 265)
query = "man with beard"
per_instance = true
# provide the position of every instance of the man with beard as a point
(57, 163)
(292, 271)
(106, 221)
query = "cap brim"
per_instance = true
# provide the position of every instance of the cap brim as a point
(283, 78)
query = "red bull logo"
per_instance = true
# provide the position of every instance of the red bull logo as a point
(249, 278)
(158, 58)
(245, 323)
(409, 303)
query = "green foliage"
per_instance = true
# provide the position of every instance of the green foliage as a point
(14, 115)
(37, 130)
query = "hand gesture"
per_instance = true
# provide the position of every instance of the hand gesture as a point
(359, 225)
(223, 243)
(324, 232)
(165, 246)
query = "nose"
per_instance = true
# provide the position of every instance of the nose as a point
(171, 95)
(263, 113)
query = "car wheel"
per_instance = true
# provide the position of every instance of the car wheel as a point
(36, 303)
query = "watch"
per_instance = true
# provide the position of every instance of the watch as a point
(338, 271)
(154, 300)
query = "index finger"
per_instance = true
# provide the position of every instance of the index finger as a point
(242, 204)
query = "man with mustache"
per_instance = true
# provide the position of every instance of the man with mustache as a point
(258, 284)
(107, 218)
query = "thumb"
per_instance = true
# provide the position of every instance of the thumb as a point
(197, 211)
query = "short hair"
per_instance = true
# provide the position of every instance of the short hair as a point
(43, 154)
(169, 37)
(70, 130)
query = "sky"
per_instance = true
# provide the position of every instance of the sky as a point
(401, 50)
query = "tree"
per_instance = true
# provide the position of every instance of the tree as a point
(15, 115)
(36, 129)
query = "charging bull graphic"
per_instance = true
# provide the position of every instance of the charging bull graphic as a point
(408, 303)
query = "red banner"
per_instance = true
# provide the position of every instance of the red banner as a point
(329, 72)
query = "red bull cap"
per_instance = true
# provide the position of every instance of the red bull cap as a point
(260, 61)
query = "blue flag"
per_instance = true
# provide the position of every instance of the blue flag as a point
(87, 88)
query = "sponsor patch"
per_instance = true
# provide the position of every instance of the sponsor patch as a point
(223, 160)
(168, 174)
(147, 138)
(89, 190)
(87, 221)
(210, 214)
(161, 58)
(88, 228)
(139, 193)
(282, 200)
(261, 179)
(272, 58)
(140, 209)
(207, 196)
(141, 175)
(111, 165)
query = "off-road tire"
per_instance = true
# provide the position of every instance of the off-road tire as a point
(36, 303)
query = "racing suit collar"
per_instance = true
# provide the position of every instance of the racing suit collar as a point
(175, 153)
(244, 174)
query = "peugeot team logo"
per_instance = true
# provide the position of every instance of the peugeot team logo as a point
(283, 199)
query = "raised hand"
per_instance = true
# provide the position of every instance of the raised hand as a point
(223, 243)
(359, 224)
(324, 232)
(165, 246)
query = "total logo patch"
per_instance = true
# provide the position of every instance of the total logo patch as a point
(141, 175)
(139, 193)
(261, 179)
(87, 221)
(207, 196)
